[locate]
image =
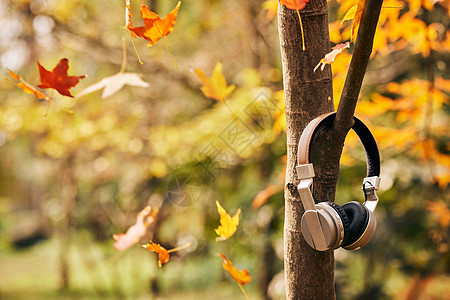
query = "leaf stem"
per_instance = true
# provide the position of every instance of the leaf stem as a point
(180, 248)
(301, 28)
(243, 291)
(134, 46)
(167, 48)
(124, 56)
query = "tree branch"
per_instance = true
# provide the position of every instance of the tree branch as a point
(358, 66)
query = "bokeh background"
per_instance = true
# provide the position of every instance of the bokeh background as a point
(68, 182)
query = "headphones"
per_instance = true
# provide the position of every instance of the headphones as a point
(326, 225)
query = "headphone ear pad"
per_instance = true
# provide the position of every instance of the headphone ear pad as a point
(344, 218)
(358, 217)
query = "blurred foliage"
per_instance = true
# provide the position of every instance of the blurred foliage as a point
(68, 182)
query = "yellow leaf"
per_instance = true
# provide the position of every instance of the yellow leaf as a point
(228, 224)
(241, 277)
(357, 19)
(350, 14)
(215, 87)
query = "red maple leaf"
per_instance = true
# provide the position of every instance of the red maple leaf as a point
(58, 78)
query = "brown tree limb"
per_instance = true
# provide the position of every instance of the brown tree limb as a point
(358, 66)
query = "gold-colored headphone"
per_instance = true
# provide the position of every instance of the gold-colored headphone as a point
(326, 225)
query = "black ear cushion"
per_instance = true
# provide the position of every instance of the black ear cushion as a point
(344, 218)
(358, 217)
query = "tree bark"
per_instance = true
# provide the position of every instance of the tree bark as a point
(309, 274)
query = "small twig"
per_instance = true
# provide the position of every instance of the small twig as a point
(167, 48)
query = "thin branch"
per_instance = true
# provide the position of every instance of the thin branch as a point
(358, 65)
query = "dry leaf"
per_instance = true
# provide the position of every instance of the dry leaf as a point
(58, 79)
(28, 88)
(241, 277)
(135, 233)
(215, 87)
(228, 224)
(163, 254)
(154, 27)
(331, 56)
(264, 195)
(113, 84)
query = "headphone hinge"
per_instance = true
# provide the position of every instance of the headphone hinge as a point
(370, 187)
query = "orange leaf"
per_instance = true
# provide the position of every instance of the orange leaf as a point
(241, 277)
(331, 56)
(58, 79)
(264, 195)
(440, 211)
(163, 254)
(28, 88)
(155, 28)
(144, 219)
(215, 87)
(228, 224)
(294, 4)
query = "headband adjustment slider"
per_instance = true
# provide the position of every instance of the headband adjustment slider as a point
(305, 171)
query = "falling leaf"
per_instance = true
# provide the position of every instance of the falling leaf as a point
(264, 195)
(28, 88)
(215, 87)
(228, 224)
(114, 83)
(163, 254)
(155, 28)
(241, 277)
(440, 210)
(331, 56)
(272, 8)
(294, 4)
(135, 233)
(58, 79)
(297, 5)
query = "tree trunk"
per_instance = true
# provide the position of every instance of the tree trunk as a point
(309, 274)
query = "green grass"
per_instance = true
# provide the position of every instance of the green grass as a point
(97, 271)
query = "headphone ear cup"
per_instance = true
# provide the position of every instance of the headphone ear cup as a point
(358, 217)
(344, 218)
